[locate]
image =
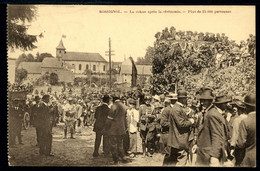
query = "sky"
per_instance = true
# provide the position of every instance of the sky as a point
(87, 29)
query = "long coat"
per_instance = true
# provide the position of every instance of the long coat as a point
(212, 137)
(101, 116)
(44, 116)
(247, 139)
(117, 115)
(179, 128)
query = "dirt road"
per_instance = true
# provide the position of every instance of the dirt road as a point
(69, 152)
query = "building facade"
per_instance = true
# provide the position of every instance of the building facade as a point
(81, 61)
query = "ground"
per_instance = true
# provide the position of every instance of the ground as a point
(69, 152)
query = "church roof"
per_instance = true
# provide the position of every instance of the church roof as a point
(61, 46)
(51, 63)
(81, 56)
(31, 67)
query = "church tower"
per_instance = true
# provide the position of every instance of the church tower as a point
(60, 50)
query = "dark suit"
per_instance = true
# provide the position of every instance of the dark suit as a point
(179, 130)
(212, 138)
(247, 139)
(44, 124)
(101, 116)
(116, 128)
(34, 113)
(15, 115)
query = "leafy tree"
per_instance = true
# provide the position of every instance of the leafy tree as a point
(171, 64)
(147, 59)
(54, 78)
(24, 58)
(19, 17)
(20, 75)
(40, 57)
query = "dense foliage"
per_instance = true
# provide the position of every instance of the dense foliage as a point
(193, 64)
(18, 18)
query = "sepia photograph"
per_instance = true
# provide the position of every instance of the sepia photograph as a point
(131, 85)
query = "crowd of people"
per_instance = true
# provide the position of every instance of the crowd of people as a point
(208, 131)
(227, 52)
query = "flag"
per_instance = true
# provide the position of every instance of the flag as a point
(134, 73)
(63, 36)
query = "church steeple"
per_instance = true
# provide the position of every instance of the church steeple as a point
(60, 50)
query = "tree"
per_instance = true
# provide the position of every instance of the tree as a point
(20, 75)
(40, 57)
(24, 58)
(172, 64)
(19, 17)
(54, 78)
(148, 58)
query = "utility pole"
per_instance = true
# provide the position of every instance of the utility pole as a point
(109, 54)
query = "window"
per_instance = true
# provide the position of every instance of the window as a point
(94, 67)
(104, 68)
(79, 66)
(87, 66)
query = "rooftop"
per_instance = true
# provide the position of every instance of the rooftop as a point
(82, 56)
(51, 63)
(31, 67)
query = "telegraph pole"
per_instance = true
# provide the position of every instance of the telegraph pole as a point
(109, 54)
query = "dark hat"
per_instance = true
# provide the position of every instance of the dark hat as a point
(222, 99)
(205, 93)
(238, 103)
(106, 98)
(131, 101)
(182, 94)
(37, 98)
(250, 100)
(46, 96)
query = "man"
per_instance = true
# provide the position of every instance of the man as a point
(34, 113)
(101, 116)
(172, 98)
(145, 111)
(179, 130)
(45, 126)
(70, 118)
(237, 152)
(247, 132)
(115, 128)
(15, 122)
(213, 137)
(132, 118)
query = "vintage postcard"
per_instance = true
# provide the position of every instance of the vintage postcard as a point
(131, 85)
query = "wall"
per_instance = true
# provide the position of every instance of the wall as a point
(99, 66)
(11, 70)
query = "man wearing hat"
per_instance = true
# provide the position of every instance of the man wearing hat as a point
(247, 132)
(145, 111)
(45, 126)
(213, 136)
(240, 107)
(34, 113)
(101, 114)
(15, 116)
(132, 119)
(115, 127)
(179, 130)
(172, 98)
(70, 118)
